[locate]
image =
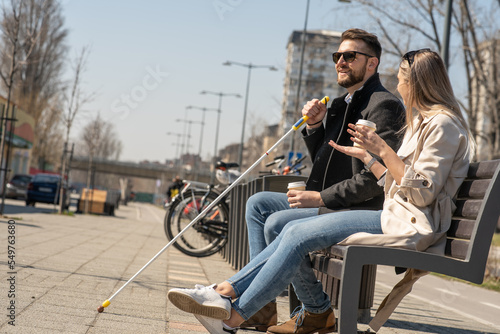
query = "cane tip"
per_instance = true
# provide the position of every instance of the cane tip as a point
(100, 309)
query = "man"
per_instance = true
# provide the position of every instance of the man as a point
(336, 181)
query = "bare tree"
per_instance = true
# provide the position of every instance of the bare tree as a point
(98, 140)
(482, 61)
(39, 85)
(74, 99)
(408, 24)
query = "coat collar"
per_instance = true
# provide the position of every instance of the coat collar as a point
(371, 84)
(409, 145)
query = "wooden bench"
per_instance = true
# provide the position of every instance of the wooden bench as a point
(469, 239)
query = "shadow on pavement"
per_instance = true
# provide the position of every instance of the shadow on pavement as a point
(10, 209)
(5, 221)
(423, 327)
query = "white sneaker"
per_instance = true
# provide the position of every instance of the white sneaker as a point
(214, 326)
(201, 300)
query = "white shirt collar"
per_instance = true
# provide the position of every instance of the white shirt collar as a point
(348, 98)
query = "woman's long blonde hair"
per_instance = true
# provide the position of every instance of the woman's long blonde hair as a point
(430, 90)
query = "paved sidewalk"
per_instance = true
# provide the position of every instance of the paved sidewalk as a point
(65, 267)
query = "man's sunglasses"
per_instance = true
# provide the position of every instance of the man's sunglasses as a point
(349, 56)
(410, 55)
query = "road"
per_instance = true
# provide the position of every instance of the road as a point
(467, 300)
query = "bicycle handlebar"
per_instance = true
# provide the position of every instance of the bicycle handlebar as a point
(298, 161)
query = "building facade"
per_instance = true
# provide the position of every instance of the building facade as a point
(318, 79)
(19, 138)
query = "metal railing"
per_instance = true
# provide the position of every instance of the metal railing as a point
(236, 251)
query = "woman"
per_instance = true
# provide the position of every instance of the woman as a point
(420, 182)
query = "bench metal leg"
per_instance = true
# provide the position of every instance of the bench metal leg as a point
(349, 297)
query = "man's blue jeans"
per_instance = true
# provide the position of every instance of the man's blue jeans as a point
(266, 215)
(286, 260)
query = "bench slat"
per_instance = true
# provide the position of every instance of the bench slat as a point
(461, 228)
(457, 248)
(483, 169)
(473, 188)
(335, 250)
(468, 208)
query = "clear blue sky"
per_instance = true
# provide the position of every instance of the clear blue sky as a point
(184, 43)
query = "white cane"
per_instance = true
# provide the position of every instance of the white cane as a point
(295, 127)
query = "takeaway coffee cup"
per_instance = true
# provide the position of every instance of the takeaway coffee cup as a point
(369, 124)
(300, 185)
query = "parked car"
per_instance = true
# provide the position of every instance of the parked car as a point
(44, 188)
(17, 186)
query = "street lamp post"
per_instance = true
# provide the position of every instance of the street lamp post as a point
(446, 35)
(202, 123)
(301, 66)
(185, 137)
(177, 144)
(250, 66)
(219, 111)
(299, 82)
(188, 122)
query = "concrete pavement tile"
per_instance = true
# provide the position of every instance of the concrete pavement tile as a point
(81, 313)
(38, 330)
(182, 327)
(127, 324)
(50, 322)
(176, 274)
(69, 299)
(187, 281)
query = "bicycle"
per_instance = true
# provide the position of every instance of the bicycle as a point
(293, 168)
(209, 234)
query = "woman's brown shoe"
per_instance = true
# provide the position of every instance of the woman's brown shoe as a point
(265, 317)
(304, 322)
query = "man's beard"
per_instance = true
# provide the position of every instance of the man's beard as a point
(352, 79)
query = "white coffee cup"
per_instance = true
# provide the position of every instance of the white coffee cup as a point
(372, 126)
(299, 185)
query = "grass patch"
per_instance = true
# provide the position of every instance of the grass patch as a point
(489, 283)
(13, 218)
(65, 213)
(496, 239)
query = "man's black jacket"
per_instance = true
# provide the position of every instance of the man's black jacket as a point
(341, 179)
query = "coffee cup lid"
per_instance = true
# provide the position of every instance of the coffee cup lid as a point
(366, 123)
(296, 184)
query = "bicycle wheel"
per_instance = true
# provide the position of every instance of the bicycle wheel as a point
(205, 237)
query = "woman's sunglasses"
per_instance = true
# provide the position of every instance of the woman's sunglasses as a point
(349, 56)
(410, 55)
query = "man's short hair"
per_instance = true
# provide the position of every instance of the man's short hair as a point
(370, 40)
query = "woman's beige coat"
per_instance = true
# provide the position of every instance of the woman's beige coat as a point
(417, 214)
